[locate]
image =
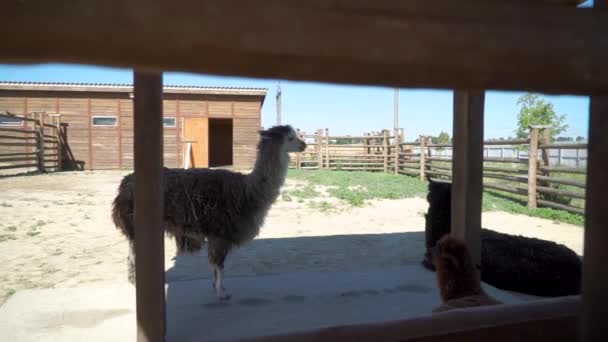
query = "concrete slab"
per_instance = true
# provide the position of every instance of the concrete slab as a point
(260, 305)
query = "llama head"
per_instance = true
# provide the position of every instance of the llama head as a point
(284, 137)
(452, 255)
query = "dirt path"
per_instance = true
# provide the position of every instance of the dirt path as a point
(56, 232)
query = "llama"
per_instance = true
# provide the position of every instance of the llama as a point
(225, 209)
(508, 262)
(457, 276)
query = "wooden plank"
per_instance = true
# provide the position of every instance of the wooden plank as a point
(532, 167)
(506, 188)
(553, 320)
(559, 206)
(312, 40)
(33, 158)
(467, 168)
(564, 170)
(149, 236)
(18, 154)
(19, 166)
(422, 157)
(18, 130)
(565, 146)
(548, 190)
(595, 277)
(562, 181)
(13, 116)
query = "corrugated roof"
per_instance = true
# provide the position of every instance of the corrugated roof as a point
(111, 87)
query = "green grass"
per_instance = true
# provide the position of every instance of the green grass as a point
(356, 188)
(502, 201)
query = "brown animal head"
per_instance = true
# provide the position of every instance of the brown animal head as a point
(457, 275)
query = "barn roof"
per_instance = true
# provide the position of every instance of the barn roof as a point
(128, 88)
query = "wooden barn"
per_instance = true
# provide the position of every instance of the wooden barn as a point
(220, 124)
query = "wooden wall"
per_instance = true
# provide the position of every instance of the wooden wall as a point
(94, 147)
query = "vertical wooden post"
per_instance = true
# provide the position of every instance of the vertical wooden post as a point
(544, 139)
(422, 157)
(327, 148)
(396, 150)
(56, 121)
(149, 235)
(319, 149)
(385, 149)
(532, 166)
(467, 168)
(40, 141)
(594, 309)
(595, 277)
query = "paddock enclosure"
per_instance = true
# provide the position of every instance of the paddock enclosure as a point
(208, 126)
(468, 46)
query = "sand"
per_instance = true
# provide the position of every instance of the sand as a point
(56, 232)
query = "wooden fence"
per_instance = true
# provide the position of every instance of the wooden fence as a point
(529, 175)
(31, 142)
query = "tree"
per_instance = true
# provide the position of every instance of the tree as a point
(579, 139)
(534, 110)
(442, 138)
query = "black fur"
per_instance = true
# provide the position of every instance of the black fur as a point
(509, 262)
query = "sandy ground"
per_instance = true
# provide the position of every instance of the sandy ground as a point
(56, 231)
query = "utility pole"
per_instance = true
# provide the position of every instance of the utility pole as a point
(396, 107)
(279, 103)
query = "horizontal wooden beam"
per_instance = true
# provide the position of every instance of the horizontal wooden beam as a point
(509, 45)
(543, 320)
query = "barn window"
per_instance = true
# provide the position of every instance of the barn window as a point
(7, 121)
(105, 120)
(169, 122)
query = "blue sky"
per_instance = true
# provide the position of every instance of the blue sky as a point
(344, 109)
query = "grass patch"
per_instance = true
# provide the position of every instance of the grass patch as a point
(6, 205)
(323, 206)
(357, 187)
(502, 201)
(9, 292)
(304, 193)
(32, 233)
(11, 228)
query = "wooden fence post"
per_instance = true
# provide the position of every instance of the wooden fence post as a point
(532, 166)
(396, 145)
(56, 118)
(422, 157)
(327, 148)
(319, 149)
(385, 148)
(40, 142)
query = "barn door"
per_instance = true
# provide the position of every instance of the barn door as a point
(196, 130)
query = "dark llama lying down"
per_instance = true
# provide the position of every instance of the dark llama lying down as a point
(221, 208)
(508, 262)
(457, 276)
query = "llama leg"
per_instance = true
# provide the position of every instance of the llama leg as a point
(131, 262)
(218, 250)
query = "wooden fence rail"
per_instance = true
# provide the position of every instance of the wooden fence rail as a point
(33, 141)
(385, 151)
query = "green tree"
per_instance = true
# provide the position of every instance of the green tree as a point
(535, 110)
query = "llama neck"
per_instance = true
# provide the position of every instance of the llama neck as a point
(269, 172)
